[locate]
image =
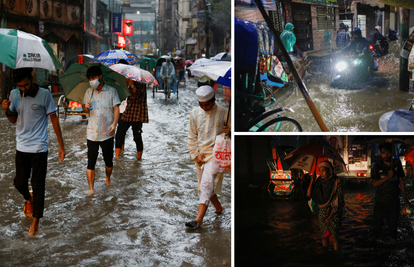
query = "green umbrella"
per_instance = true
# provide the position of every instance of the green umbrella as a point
(75, 83)
(25, 50)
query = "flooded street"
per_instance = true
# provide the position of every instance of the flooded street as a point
(286, 233)
(344, 110)
(139, 220)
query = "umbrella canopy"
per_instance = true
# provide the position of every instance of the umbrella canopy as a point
(210, 68)
(75, 83)
(189, 62)
(81, 59)
(24, 50)
(226, 79)
(309, 156)
(112, 57)
(135, 73)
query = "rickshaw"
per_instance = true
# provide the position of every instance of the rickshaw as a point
(282, 181)
(67, 107)
(159, 88)
(259, 74)
(148, 64)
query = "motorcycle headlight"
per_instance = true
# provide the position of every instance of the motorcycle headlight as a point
(357, 61)
(341, 66)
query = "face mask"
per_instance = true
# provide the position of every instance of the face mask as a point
(94, 84)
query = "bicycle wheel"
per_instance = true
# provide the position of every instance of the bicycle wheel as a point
(283, 124)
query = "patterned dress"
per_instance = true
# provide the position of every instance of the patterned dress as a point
(328, 195)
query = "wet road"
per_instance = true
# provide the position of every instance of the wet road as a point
(138, 221)
(285, 233)
(347, 110)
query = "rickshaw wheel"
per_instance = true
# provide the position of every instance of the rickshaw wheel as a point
(153, 90)
(177, 90)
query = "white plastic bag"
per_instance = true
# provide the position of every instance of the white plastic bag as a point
(222, 154)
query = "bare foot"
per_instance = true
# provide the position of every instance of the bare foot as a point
(32, 232)
(33, 228)
(28, 209)
(108, 182)
(91, 191)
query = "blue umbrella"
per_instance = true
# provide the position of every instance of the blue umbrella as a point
(112, 57)
(226, 79)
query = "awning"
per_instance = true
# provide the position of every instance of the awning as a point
(399, 3)
(92, 33)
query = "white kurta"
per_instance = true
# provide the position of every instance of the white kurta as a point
(202, 131)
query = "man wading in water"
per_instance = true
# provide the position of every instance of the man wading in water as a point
(29, 107)
(206, 122)
(387, 177)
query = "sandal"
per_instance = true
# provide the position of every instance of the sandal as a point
(192, 224)
(28, 210)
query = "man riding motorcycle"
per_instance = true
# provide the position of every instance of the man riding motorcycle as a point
(381, 48)
(360, 47)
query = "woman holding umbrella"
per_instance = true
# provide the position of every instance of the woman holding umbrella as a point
(326, 191)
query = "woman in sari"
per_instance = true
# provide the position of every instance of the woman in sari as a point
(326, 191)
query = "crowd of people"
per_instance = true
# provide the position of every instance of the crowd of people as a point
(29, 107)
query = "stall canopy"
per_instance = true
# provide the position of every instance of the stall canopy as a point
(399, 3)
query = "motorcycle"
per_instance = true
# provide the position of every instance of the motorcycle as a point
(380, 48)
(351, 71)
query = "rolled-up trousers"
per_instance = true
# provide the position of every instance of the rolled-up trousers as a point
(36, 164)
(206, 181)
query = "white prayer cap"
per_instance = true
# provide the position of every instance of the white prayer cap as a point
(205, 93)
(378, 28)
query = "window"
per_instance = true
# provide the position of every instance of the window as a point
(326, 17)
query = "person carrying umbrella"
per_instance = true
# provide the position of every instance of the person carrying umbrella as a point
(102, 101)
(326, 191)
(167, 72)
(206, 122)
(136, 113)
(29, 107)
(387, 177)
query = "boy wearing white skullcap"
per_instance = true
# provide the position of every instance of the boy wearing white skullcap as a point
(206, 122)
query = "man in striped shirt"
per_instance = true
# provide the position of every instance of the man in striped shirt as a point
(206, 122)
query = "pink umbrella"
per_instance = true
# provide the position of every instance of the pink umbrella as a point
(189, 62)
(134, 73)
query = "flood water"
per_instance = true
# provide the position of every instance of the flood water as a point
(138, 221)
(282, 232)
(345, 110)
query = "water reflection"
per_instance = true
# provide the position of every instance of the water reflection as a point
(138, 221)
(285, 233)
